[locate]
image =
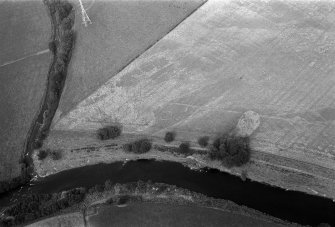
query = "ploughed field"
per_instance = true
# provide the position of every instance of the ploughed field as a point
(24, 64)
(272, 57)
(120, 31)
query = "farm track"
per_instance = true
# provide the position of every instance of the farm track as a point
(23, 58)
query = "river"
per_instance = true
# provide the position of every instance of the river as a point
(288, 205)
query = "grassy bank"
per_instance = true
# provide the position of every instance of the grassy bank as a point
(61, 43)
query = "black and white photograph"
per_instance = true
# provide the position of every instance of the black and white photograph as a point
(167, 113)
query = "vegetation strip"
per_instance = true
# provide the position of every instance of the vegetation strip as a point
(35, 206)
(62, 40)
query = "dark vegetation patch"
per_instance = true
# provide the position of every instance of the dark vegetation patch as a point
(139, 146)
(203, 141)
(34, 206)
(184, 148)
(56, 155)
(61, 45)
(108, 185)
(123, 199)
(37, 144)
(231, 150)
(109, 132)
(169, 136)
(42, 154)
(15, 182)
(53, 46)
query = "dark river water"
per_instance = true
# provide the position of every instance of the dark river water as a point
(288, 205)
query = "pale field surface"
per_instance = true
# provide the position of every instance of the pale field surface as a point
(272, 57)
(156, 214)
(25, 32)
(120, 31)
(65, 220)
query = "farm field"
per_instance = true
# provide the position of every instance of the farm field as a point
(155, 214)
(24, 64)
(120, 31)
(27, 29)
(271, 57)
(66, 220)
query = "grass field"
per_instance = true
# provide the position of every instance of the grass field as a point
(21, 94)
(155, 214)
(272, 57)
(65, 220)
(25, 32)
(25, 29)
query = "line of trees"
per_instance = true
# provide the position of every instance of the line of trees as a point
(230, 149)
(61, 45)
(54, 154)
(140, 146)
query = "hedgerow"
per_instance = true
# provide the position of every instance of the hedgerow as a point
(139, 146)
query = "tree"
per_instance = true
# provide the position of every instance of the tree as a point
(231, 150)
(53, 46)
(184, 148)
(108, 185)
(169, 136)
(42, 154)
(109, 132)
(139, 146)
(203, 141)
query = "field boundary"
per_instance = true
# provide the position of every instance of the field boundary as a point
(61, 43)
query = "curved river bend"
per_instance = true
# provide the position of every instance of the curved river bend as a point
(287, 205)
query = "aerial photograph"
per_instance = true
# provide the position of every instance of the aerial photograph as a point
(167, 113)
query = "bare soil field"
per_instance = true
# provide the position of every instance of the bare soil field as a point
(271, 57)
(120, 31)
(24, 64)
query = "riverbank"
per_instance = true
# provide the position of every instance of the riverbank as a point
(145, 195)
(83, 148)
(289, 205)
